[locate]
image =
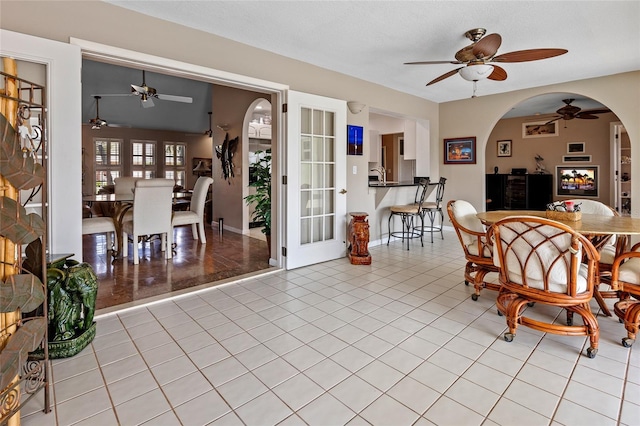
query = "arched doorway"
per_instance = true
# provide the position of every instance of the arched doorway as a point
(257, 132)
(552, 132)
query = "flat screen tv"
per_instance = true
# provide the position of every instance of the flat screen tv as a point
(579, 181)
(354, 140)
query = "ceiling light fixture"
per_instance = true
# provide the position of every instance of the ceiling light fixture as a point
(475, 72)
(210, 131)
(97, 123)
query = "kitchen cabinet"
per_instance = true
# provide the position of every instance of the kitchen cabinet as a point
(518, 192)
(375, 146)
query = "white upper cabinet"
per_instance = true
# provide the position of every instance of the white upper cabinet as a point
(260, 131)
(410, 136)
(375, 146)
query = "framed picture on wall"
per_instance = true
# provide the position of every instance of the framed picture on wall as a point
(355, 136)
(460, 150)
(539, 129)
(504, 148)
(575, 148)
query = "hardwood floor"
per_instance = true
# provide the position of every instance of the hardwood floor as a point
(122, 284)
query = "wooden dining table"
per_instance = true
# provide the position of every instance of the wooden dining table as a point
(597, 228)
(589, 225)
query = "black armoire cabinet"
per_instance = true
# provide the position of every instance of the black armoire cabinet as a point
(518, 192)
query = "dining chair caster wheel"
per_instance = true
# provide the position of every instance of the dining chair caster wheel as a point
(531, 304)
(591, 352)
(474, 297)
(508, 337)
(620, 320)
(627, 342)
(466, 283)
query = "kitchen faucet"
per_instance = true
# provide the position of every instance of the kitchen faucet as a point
(382, 172)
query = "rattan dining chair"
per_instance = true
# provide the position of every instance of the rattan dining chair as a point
(625, 278)
(545, 262)
(477, 249)
(609, 247)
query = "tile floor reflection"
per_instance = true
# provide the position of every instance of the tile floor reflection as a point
(397, 342)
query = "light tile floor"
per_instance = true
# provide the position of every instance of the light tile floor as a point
(398, 342)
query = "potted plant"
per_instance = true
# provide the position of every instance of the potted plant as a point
(260, 179)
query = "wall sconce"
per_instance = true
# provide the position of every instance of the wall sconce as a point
(355, 107)
(223, 127)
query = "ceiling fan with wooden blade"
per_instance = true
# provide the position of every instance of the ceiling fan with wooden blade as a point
(147, 94)
(479, 58)
(569, 112)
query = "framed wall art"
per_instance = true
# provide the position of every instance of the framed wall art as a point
(504, 148)
(355, 136)
(575, 148)
(539, 129)
(576, 158)
(460, 150)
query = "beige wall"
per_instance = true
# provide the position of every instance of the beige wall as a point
(594, 134)
(229, 107)
(118, 27)
(478, 116)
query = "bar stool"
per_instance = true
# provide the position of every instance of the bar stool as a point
(408, 213)
(433, 208)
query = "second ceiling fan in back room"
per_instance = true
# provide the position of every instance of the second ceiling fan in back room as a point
(147, 94)
(479, 58)
(569, 112)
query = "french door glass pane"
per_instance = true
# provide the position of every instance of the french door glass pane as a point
(329, 227)
(305, 230)
(317, 175)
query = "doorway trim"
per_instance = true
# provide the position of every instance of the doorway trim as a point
(124, 57)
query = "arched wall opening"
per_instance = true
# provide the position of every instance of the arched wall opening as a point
(533, 138)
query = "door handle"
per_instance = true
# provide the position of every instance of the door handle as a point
(344, 191)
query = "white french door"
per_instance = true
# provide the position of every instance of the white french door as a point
(63, 64)
(316, 203)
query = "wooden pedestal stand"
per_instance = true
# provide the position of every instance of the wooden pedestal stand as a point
(358, 252)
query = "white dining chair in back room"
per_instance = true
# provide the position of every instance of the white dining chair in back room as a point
(152, 210)
(195, 215)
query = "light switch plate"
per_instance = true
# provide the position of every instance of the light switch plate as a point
(355, 170)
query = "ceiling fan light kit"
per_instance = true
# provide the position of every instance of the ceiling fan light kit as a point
(475, 72)
(477, 57)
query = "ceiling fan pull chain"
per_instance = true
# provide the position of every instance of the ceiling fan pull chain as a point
(475, 87)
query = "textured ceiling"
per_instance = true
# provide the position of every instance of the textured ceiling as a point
(372, 39)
